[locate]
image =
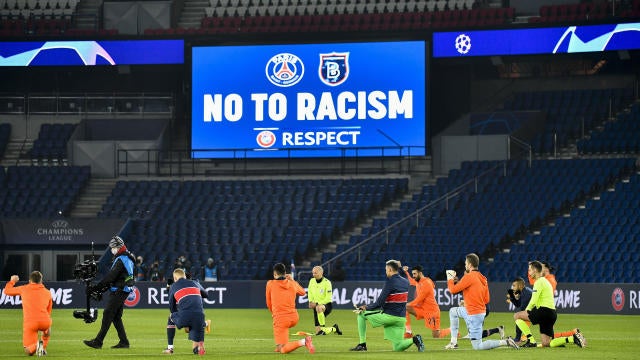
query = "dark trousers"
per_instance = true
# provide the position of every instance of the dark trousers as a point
(113, 314)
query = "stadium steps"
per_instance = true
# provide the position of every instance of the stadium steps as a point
(14, 151)
(192, 13)
(316, 257)
(92, 197)
(88, 14)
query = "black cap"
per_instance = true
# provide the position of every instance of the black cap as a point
(116, 241)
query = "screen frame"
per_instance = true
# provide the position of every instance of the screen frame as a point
(239, 41)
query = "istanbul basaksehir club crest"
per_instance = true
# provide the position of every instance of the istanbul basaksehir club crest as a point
(334, 68)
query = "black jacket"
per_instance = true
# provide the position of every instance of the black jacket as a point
(119, 277)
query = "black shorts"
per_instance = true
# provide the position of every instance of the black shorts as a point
(544, 317)
(327, 310)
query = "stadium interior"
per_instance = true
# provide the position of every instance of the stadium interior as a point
(568, 192)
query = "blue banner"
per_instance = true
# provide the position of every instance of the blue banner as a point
(570, 298)
(329, 99)
(91, 53)
(557, 40)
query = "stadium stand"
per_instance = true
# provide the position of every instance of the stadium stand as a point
(594, 243)
(51, 143)
(510, 201)
(5, 135)
(570, 113)
(40, 191)
(246, 225)
(621, 136)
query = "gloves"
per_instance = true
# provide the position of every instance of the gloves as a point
(357, 309)
(451, 274)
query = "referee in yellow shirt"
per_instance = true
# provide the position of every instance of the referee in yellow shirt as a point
(542, 311)
(320, 293)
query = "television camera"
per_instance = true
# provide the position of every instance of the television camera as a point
(86, 271)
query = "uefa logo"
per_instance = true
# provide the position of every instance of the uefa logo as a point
(134, 297)
(284, 70)
(617, 299)
(266, 139)
(59, 224)
(463, 44)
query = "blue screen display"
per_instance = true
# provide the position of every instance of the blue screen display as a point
(91, 53)
(557, 40)
(309, 100)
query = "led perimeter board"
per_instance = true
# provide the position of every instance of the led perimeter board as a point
(309, 100)
(91, 53)
(554, 40)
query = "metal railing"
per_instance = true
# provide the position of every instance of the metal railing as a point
(87, 103)
(417, 219)
(243, 162)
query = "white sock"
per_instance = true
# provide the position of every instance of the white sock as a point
(302, 342)
(170, 347)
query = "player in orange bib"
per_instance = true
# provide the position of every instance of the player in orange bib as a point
(424, 305)
(281, 301)
(36, 312)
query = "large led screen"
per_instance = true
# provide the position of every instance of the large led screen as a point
(91, 53)
(556, 40)
(309, 100)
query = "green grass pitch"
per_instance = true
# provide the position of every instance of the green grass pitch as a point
(246, 334)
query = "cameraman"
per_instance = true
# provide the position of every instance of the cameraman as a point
(119, 280)
(519, 295)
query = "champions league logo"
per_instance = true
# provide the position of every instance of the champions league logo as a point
(463, 44)
(266, 139)
(284, 70)
(334, 68)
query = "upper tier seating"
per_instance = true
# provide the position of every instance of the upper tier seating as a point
(569, 112)
(621, 136)
(52, 141)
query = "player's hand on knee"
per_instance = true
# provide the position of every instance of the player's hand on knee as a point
(320, 308)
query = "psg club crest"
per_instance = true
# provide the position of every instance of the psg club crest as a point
(334, 68)
(284, 70)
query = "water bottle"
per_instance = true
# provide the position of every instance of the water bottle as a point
(293, 270)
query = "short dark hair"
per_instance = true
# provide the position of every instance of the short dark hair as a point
(518, 280)
(536, 265)
(417, 268)
(279, 269)
(393, 265)
(547, 265)
(35, 277)
(473, 259)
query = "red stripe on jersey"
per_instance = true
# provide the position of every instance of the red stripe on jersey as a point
(397, 298)
(180, 294)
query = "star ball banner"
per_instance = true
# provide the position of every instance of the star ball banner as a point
(321, 100)
(556, 40)
(91, 53)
